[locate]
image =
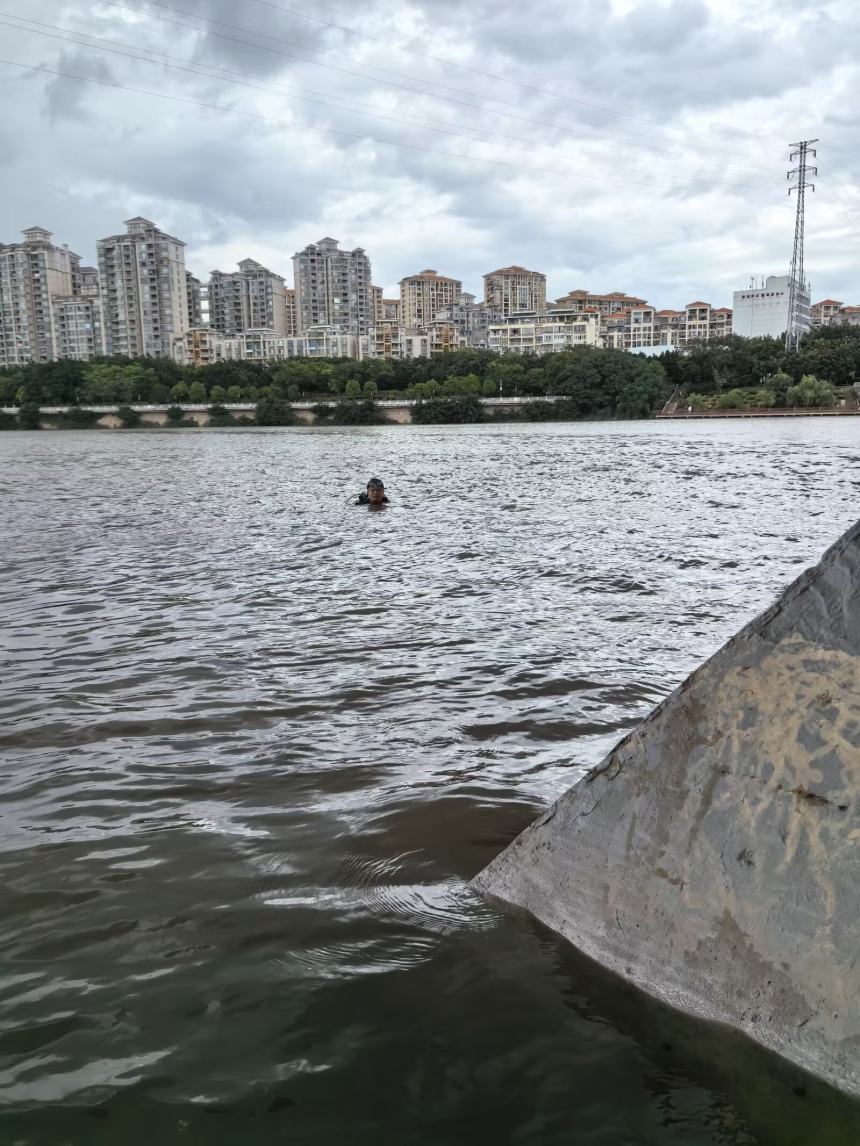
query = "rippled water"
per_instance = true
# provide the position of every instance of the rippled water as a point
(255, 742)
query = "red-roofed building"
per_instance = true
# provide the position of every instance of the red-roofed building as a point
(822, 313)
(847, 316)
(514, 290)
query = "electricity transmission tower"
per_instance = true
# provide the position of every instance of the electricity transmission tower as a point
(798, 292)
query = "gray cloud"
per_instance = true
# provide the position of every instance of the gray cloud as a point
(659, 135)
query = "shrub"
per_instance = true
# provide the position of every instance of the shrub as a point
(175, 416)
(129, 418)
(352, 413)
(77, 419)
(273, 411)
(8, 421)
(448, 411)
(29, 417)
(218, 416)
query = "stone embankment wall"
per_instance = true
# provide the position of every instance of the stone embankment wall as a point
(712, 858)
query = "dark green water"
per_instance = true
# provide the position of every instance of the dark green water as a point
(254, 743)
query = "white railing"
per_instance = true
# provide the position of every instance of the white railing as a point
(250, 407)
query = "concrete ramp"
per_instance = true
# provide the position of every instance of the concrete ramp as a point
(713, 858)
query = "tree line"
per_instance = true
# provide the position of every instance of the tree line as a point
(599, 383)
(595, 383)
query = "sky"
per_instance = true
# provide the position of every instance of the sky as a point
(637, 145)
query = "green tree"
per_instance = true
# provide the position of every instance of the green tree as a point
(234, 393)
(352, 389)
(179, 392)
(217, 395)
(370, 388)
(811, 391)
(197, 392)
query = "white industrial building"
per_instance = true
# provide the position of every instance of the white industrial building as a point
(763, 311)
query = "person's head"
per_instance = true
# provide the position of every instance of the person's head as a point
(375, 491)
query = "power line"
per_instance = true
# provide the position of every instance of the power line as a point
(362, 137)
(405, 87)
(478, 72)
(182, 65)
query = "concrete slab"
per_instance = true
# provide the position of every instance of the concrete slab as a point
(712, 858)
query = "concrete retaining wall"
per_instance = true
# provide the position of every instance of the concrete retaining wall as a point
(712, 858)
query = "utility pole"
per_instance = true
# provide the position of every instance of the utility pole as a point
(798, 319)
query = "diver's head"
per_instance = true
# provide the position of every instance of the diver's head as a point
(375, 491)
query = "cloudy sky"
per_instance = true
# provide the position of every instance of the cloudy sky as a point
(636, 145)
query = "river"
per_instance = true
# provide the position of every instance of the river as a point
(254, 742)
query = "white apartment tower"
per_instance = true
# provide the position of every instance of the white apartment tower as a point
(34, 275)
(514, 290)
(252, 298)
(422, 295)
(144, 291)
(333, 288)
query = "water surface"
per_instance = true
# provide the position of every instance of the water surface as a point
(254, 742)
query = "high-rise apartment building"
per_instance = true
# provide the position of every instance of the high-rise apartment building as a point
(514, 290)
(252, 298)
(292, 319)
(194, 290)
(77, 325)
(422, 295)
(33, 275)
(333, 288)
(144, 292)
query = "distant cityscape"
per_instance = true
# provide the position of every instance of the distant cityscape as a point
(141, 301)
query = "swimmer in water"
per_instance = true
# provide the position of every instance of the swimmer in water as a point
(375, 494)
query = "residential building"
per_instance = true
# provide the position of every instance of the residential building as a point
(194, 290)
(33, 274)
(544, 334)
(333, 288)
(514, 290)
(377, 301)
(470, 318)
(390, 340)
(423, 295)
(252, 298)
(87, 282)
(847, 316)
(391, 310)
(77, 327)
(670, 328)
(144, 294)
(822, 313)
(632, 329)
(763, 311)
(323, 342)
(292, 320)
(704, 322)
(604, 304)
(201, 346)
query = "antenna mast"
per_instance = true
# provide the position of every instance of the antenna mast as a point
(798, 300)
